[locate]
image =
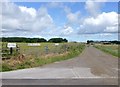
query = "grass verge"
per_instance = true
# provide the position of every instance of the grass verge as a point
(110, 49)
(30, 61)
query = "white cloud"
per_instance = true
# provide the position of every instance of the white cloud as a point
(93, 6)
(103, 23)
(67, 9)
(19, 18)
(55, 5)
(73, 17)
(9, 23)
(105, 34)
(111, 29)
(30, 11)
(67, 31)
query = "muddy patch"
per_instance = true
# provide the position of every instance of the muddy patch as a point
(98, 71)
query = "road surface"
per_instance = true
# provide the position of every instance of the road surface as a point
(92, 67)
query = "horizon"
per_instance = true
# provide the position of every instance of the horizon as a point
(64, 38)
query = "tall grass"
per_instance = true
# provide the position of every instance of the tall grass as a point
(34, 58)
(110, 49)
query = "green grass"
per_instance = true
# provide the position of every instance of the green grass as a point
(36, 56)
(110, 49)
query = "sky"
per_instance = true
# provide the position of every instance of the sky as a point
(75, 21)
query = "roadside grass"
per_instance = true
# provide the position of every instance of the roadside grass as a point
(110, 49)
(36, 56)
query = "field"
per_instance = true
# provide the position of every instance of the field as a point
(33, 56)
(110, 49)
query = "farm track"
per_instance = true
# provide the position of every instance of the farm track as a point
(92, 67)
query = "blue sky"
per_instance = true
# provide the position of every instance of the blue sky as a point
(76, 21)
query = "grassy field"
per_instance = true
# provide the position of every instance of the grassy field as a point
(33, 56)
(111, 49)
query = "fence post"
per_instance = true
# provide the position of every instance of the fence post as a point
(11, 50)
(46, 49)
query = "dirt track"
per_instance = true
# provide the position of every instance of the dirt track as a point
(99, 62)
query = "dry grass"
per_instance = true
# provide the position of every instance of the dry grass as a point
(36, 56)
(111, 49)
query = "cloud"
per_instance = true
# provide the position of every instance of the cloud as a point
(20, 18)
(105, 34)
(30, 22)
(55, 5)
(103, 23)
(67, 30)
(67, 9)
(30, 11)
(73, 17)
(94, 6)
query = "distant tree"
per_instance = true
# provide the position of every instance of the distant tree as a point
(22, 39)
(57, 40)
(104, 42)
(89, 41)
(65, 40)
(41, 40)
(32, 40)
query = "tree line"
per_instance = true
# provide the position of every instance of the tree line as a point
(103, 42)
(32, 40)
